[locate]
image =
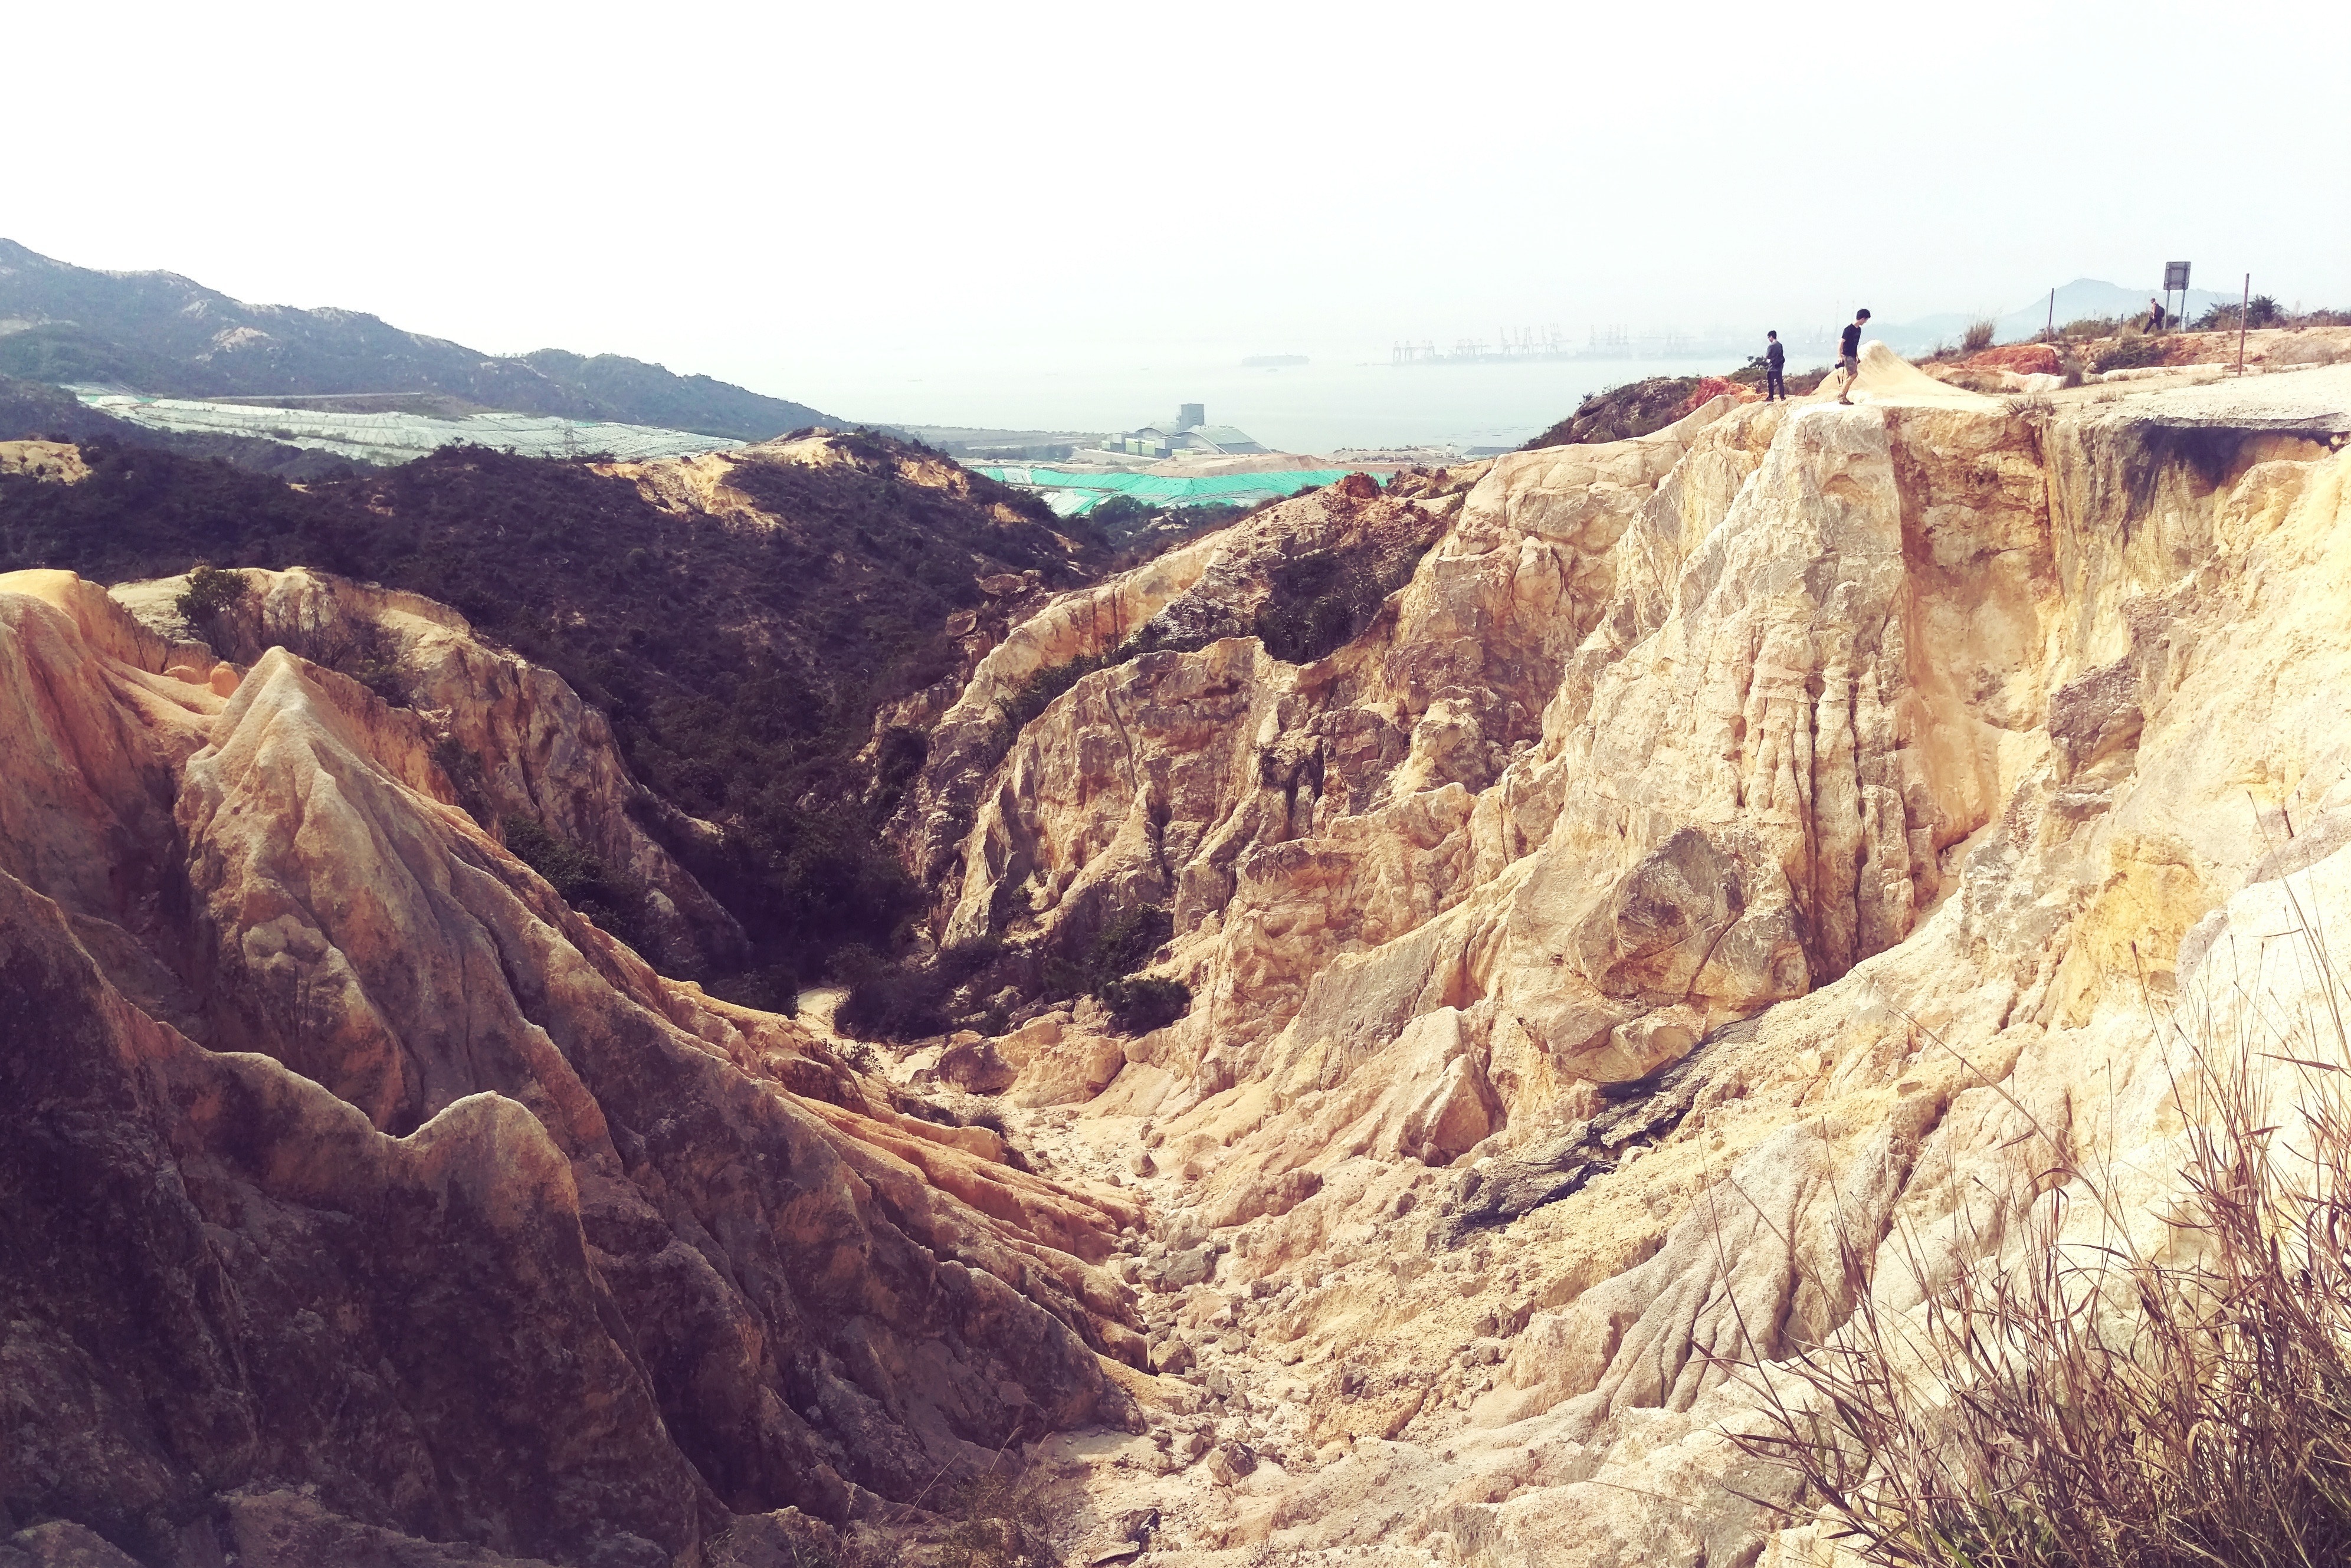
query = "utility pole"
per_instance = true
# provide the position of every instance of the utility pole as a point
(2244, 307)
(2051, 331)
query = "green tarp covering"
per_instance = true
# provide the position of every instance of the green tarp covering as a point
(1075, 494)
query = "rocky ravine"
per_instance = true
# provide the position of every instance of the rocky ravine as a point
(356, 1193)
(1725, 838)
(1715, 843)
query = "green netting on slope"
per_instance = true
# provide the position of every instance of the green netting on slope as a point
(1167, 489)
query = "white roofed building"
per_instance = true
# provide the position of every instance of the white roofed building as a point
(1190, 431)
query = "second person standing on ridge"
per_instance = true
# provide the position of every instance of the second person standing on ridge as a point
(1775, 359)
(1849, 354)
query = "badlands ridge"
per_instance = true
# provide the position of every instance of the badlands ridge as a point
(1721, 843)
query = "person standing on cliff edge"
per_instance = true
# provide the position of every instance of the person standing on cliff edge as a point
(1849, 354)
(1775, 359)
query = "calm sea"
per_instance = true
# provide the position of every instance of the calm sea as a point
(1334, 400)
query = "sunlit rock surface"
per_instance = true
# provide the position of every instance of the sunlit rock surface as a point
(1725, 840)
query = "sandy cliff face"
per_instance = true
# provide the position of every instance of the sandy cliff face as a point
(1723, 839)
(358, 1190)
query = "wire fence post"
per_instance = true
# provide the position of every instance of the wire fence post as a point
(2244, 307)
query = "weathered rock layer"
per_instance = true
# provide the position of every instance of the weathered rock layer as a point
(341, 1156)
(1728, 842)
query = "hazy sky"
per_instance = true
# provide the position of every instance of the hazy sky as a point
(802, 198)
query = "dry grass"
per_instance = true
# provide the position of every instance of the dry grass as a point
(1001, 1521)
(1978, 336)
(2301, 351)
(2114, 1406)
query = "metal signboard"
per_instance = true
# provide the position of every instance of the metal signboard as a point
(2174, 275)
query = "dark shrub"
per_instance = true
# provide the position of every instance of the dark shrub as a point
(211, 590)
(1122, 517)
(1139, 1005)
(898, 759)
(463, 771)
(886, 1001)
(2259, 311)
(615, 902)
(1322, 600)
(2129, 354)
(1036, 694)
(772, 989)
(898, 1004)
(1127, 940)
(975, 959)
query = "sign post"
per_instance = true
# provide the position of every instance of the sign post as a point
(2174, 275)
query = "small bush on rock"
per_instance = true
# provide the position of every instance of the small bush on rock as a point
(899, 1005)
(614, 901)
(1618, 414)
(211, 590)
(773, 988)
(2130, 353)
(1145, 1003)
(464, 771)
(885, 1001)
(1127, 940)
(1036, 694)
(1321, 601)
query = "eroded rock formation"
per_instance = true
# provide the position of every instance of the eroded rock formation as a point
(1611, 882)
(341, 1158)
(1726, 841)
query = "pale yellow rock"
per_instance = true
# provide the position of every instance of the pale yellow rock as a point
(1881, 766)
(488, 731)
(1061, 1064)
(57, 460)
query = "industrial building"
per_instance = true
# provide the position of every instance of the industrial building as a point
(1190, 431)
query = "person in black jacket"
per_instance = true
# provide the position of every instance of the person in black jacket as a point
(1775, 360)
(1849, 354)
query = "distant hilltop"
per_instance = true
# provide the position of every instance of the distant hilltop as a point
(168, 336)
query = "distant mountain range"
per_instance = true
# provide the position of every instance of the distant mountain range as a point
(160, 333)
